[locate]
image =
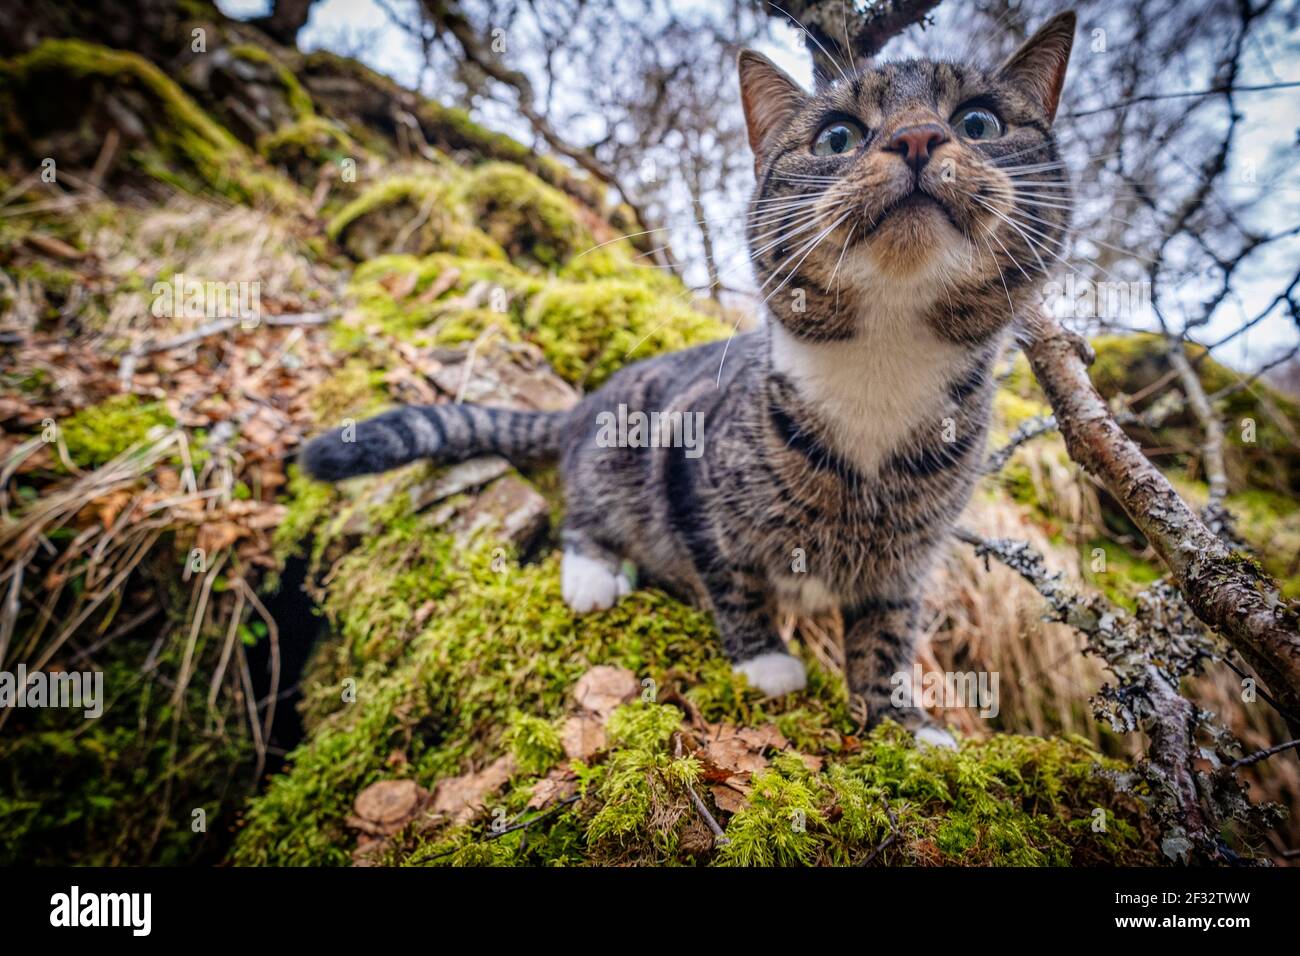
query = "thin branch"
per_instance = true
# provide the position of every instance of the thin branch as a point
(1228, 592)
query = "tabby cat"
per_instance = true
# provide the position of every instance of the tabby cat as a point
(891, 230)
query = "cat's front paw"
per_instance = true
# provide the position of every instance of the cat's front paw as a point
(774, 674)
(589, 584)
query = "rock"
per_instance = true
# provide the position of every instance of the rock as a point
(459, 477)
(516, 376)
(519, 514)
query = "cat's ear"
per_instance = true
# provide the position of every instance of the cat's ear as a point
(769, 97)
(1038, 67)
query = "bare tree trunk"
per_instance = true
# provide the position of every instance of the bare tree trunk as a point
(1228, 591)
(284, 21)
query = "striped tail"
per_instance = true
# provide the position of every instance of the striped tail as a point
(443, 433)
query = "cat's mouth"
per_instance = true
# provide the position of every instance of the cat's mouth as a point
(918, 202)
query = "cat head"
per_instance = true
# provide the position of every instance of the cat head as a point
(913, 186)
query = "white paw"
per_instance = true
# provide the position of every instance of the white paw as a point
(774, 674)
(935, 737)
(589, 584)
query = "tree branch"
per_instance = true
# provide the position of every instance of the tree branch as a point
(839, 36)
(1226, 590)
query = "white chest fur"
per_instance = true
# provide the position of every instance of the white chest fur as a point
(874, 390)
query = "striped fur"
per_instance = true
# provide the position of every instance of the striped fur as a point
(445, 433)
(841, 440)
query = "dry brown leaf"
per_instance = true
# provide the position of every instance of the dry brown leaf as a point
(390, 803)
(760, 738)
(604, 687)
(460, 797)
(729, 753)
(583, 736)
(728, 799)
(556, 786)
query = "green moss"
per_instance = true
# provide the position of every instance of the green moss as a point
(529, 219)
(1267, 521)
(1018, 801)
(426, 320)
(1117, 573)
(1258, 421)
(297, 96)
(355, 391)
(99, 433)
(122, 789)
(313, 140)
(590, 330)
(421, 213)
(452, 129)
(534, 742)
(188, 137)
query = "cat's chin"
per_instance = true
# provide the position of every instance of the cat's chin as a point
(911, 237)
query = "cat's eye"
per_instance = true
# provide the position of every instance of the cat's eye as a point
(837, 138)
(977, 123)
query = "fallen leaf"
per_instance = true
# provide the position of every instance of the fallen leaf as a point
(604, 687)
(730, 752)
(556, 786)
(461, 797)
(582, 736)
(728, 799)
(390, 803)
(763, 737)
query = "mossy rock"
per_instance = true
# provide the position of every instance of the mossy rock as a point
(588, 330)
(297, 99)
(302, 148)
(453, 130)
(417, 214)
(188, 149)
(529, 219)
(489, 668)
(392, 294)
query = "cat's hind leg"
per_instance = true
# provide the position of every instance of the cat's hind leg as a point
(591, 575)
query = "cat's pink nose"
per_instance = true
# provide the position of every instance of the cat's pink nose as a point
(916, 143)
